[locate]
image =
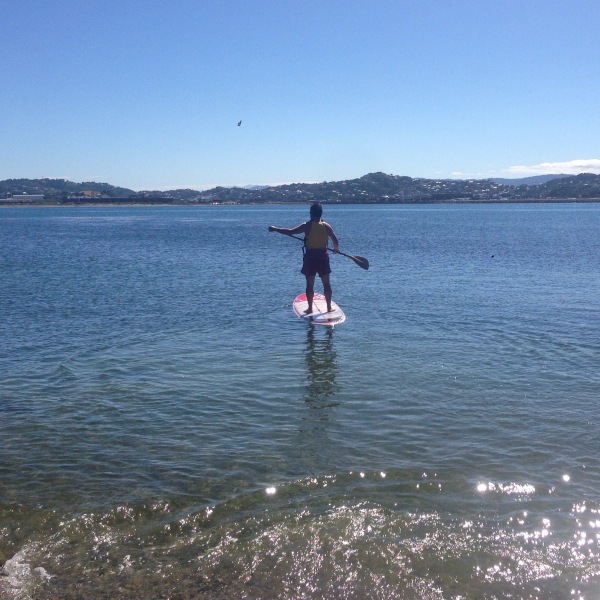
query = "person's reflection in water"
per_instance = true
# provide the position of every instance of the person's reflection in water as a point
(321, 368)
(313, 450)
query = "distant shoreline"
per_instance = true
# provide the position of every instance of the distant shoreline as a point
(5, 204)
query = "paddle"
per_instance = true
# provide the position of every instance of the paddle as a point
(363, 263)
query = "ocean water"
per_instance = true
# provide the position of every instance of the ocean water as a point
(170, 429)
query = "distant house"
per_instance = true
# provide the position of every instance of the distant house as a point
(26, 198)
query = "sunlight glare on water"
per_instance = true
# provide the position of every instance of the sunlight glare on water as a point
(170, 428)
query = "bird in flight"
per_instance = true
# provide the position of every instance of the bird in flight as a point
(239, 124)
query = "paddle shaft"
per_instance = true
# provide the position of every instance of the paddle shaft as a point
(359, 260)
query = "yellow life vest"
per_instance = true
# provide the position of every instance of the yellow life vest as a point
(317, 237)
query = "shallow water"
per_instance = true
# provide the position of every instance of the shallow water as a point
(169, 428)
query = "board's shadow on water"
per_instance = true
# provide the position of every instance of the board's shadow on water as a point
(321, 369)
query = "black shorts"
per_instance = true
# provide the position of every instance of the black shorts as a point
(316, 262)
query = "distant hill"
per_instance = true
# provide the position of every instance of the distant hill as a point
(57, 188)
(370, 188)
(383, 188)
(534, 180)
(585, 185)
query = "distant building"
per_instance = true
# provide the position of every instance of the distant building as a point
(26, 198)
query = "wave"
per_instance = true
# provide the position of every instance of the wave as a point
(353, 535)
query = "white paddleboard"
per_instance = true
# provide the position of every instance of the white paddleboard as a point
(319, 314)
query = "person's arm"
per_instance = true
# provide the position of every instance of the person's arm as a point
(289, 231)
(331, 234)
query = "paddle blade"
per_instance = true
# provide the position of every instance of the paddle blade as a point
(363, 263)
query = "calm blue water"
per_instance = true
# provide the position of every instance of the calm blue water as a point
(169, 428)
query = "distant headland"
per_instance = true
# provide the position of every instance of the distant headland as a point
(373, 188)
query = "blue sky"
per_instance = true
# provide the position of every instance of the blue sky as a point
(147, 94)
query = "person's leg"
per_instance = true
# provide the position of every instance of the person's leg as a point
(310, 291)
(327, 290)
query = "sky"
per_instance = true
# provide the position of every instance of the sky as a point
(147, 94)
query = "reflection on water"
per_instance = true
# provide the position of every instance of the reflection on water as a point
(321, 368)
(316, 450)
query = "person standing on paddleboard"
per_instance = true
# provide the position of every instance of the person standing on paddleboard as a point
(316, 259)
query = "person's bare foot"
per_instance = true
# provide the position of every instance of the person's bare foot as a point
(308, 311)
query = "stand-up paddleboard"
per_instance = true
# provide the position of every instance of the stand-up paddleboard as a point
(319, 314)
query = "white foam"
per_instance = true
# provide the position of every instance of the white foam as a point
(21, 576)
